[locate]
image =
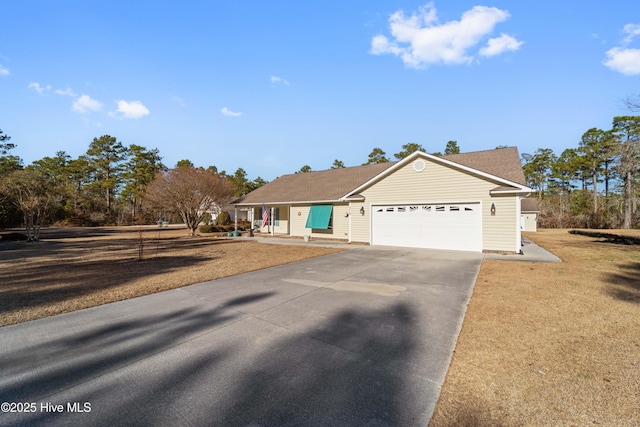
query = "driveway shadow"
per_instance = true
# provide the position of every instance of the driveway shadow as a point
(173, 369)
(348, 373)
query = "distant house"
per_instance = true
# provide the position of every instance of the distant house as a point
(469, 202)
(212, 209)
(529, 214)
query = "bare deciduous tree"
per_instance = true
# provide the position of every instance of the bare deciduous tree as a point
(188, 192)
(30, 192)
(632, 103)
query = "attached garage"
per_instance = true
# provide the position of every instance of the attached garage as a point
(451, 226)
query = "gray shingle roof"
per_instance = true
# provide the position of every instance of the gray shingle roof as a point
(332, 184)
(314, 186)
(501, 162)
(529, 205)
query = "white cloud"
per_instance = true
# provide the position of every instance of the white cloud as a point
(38, 88)
(178, 101)
(625, 60)
(4, 71)
(420, 39)
(498, 45)
(65, 92)
(631, 30)
(132, 109)
(276, 79)
(85, 104)
(226, 112)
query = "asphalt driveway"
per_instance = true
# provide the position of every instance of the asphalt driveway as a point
(361, 337)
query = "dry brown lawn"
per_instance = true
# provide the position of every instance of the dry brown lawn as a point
(550, 344)
(71, 269)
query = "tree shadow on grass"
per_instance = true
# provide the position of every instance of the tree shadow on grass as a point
(625, 283)
(57, 272)
(127, 246)
(33, 286)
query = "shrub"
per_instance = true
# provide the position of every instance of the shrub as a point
(223, 218)
(206, 228)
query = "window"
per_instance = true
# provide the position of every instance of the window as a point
(320, 217)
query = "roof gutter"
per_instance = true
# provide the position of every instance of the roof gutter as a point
(523, 191)
(297, 202)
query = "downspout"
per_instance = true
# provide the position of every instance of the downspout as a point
(519, 225)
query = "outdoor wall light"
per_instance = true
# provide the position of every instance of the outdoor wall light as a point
(493, 209)
(362, 210)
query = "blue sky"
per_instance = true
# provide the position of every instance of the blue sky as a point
(272, 86)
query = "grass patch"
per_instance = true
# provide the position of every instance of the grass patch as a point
(550, 344)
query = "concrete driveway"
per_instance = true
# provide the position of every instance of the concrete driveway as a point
(361, 337)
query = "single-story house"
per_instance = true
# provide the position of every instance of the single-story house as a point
(469, 202)
(529, 213)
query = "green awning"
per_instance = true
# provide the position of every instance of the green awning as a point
(319, 216)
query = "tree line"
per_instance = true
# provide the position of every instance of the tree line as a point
(592, 185)
(378, 155)
(114, 184)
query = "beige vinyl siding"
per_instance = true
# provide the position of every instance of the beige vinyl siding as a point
(341, 220)
(439, 183)
(299, 215)
(500, 231)
(359, 222)
(340, 230)
(529, 222)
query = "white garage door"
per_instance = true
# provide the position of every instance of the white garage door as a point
(454, 226)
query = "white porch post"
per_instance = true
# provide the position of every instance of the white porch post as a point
(273, 222)
(235, 216)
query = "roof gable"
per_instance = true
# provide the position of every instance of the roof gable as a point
(505, 161)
